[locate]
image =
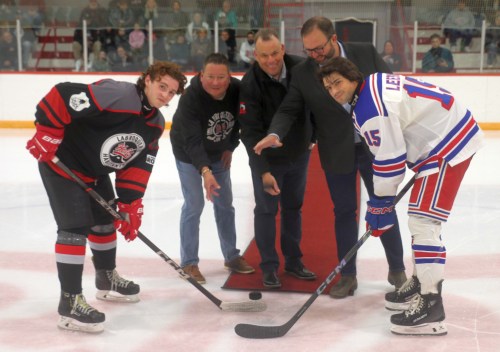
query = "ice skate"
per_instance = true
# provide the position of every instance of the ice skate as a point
(401, 298)
(78, 315)
(424, 317)
(112, 287)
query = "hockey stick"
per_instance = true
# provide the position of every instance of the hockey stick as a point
(265, 332)
(244, 306)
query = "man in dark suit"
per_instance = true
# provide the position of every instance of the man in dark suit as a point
(341, 151)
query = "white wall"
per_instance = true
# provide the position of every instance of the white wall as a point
(20, 92)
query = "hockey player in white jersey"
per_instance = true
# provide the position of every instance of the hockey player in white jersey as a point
(409, 123)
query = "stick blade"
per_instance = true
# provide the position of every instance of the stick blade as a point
(251, 331)
(245, 306)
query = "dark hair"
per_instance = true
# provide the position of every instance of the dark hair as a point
(216, 59)
(266, 34)
(435, 35)
(343, 67)
(319, 22)
(162, 68)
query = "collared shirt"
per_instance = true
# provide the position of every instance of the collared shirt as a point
(282, 78)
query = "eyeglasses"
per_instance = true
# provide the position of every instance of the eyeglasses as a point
(317, 50)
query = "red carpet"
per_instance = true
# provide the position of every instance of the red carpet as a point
(318, 241)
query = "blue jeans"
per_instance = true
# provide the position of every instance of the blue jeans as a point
(194, 201)
(291, 179)
(344, 196)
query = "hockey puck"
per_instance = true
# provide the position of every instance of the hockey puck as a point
(255, 295)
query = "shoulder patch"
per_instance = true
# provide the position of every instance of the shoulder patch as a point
(79, 101)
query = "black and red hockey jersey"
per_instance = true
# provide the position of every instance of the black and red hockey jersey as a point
(108, 127)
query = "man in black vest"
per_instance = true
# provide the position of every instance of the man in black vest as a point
(341, 151)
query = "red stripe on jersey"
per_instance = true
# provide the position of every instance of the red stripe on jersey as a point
(460, 137)
(71, 250)
(56, 103)
(130, 186)
(133, 174)
(420, 254)
(55, 122)
(102, 239)
(60, 172)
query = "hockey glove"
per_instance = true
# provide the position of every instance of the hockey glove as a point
(380, 215)
(43, 146)
(132, 218)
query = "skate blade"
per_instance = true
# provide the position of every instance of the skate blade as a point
(112, 296)
(435, 329)
(71, 324)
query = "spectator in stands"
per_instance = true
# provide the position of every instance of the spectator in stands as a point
(8, 51)
(226, 16)
(180, 52)
(247, 51)
(209, 8)
(107, 39)
(437, 59)
(121, 15)
(256, 13)
(101, 63)
(121, 39)
(194, 27)
(459, 23)
(227, 46)
(159, 48)
(493, 42)
(176, 22)
(391, 58)
(137, 39)
(32, 20)
(7, 12)
(137, 7)
(95, 17)
(151, 12)
(200, 48)
(120, 61)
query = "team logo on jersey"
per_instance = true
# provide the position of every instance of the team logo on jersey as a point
(220, 126)
(243, 108)
(80, 101)
(118, 150)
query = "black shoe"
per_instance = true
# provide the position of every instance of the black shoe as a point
(300, 272)
(271, 280)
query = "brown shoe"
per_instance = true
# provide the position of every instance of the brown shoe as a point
(345, 287)
(396, 278)
(239, 265)
(193, 271)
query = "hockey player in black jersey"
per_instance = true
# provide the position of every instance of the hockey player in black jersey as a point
(96, 129)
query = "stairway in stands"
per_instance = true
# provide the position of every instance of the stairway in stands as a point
(54, 50)
(292, 13)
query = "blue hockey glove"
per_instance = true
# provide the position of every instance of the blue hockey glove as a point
(380, 215)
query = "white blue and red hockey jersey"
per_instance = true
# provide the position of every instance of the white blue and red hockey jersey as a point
(408, 122)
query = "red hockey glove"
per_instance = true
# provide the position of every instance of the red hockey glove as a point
(380, 215)
(43, 146)
(132, 218)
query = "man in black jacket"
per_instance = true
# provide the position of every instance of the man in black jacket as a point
(204, 135)
(341, 152)
(278, 175)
